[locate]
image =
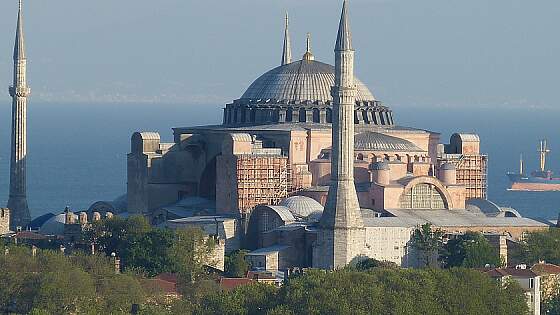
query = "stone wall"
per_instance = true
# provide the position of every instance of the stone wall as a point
(4, 221)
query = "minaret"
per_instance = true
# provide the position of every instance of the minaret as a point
(19, 91)
(287, 51)
(340, 237)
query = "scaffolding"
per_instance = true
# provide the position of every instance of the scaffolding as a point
(472, 171)
(261, 179)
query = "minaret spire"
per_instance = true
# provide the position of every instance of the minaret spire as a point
(287, 51)
(17, 202)
(19, 46)
(341, 235)
(308, 55)
(344, 37)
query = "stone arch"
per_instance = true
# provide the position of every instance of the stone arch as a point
(435, 183)
(264, 219)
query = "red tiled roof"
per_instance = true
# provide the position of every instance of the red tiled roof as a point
(167, 282)
(547, 269)
(28, 235)
(232, 283)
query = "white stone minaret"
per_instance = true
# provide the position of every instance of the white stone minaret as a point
(340, 237)
(287, 49)
(17, 203)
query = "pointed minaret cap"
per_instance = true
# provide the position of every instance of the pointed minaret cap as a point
(287, 51)
(19, 47)
(344, 38)
(308, 55)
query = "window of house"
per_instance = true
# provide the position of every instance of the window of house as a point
(531, 284)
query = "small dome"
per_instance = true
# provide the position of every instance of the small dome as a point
(302, 207)
(54, 225)
(375, 141)
(303, 80)
(380, 166)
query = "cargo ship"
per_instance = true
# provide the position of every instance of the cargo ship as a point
(541, 180)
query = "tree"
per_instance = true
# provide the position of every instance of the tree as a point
(235, 264)
(191, 252)
(138, 245)
(427, 241)
(469, 250)
(370, 263)
(540, 246)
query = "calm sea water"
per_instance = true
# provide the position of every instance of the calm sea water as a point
(77, 153)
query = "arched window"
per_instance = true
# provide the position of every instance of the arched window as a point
(289, 114)
(302, 115)
(243, 114)
(422, 196)
(316, 118)
(253, 115)
(365, 116)
(329, 115)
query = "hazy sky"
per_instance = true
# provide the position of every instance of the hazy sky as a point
(409, 52)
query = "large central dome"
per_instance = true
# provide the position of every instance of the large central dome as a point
(303, 80)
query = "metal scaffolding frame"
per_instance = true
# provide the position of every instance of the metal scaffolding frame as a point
(261, 179)
(472, 171)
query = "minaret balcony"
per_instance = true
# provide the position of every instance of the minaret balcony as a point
(19, 91)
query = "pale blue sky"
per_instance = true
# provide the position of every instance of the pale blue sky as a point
(409, 52)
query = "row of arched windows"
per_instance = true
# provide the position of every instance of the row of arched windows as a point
(243, 115)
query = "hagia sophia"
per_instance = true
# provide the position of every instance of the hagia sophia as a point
(309, 169)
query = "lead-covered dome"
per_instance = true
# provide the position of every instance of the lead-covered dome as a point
(303, 80)
(300, 92)
(302, 207)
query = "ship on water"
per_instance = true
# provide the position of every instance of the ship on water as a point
(541, 180)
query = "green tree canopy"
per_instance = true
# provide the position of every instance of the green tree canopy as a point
(537, 246)
(469, 250)
(427, 241)
(235, 264)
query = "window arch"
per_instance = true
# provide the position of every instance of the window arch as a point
(316, 118)
(289, 114)
(422, 196)
(329, 115)
(302, 115)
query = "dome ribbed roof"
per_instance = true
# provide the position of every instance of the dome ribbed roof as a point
(301, 206)
(375, 141)
(303, 80)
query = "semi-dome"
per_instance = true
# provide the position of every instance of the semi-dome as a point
(303, 80)
(302, 207)
(375, 141)
(54, 225)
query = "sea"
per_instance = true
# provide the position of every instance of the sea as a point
(77, 152)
